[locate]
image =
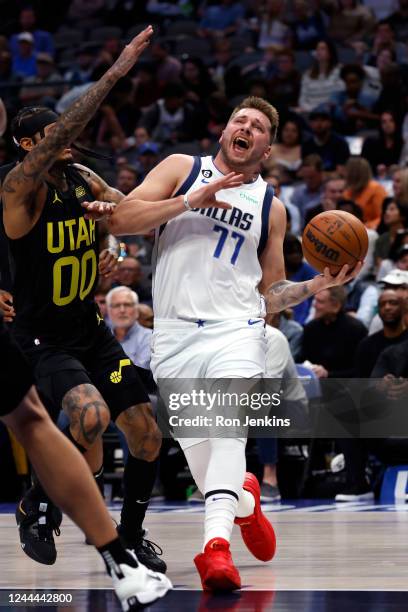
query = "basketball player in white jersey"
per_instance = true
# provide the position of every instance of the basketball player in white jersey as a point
(218, 260)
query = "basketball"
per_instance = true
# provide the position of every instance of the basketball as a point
(334, 238)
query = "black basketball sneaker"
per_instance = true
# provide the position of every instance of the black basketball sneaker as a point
(37, 523)
(146, 551)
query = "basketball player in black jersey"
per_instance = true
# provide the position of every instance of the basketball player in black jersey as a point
(77, 362)
(67, 478)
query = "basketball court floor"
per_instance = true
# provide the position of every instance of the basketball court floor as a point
(330, 558)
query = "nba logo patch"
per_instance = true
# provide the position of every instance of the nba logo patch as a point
(80, 191)
(206, 173)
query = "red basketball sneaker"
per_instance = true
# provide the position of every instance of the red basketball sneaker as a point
(216, 568)
(256, 530)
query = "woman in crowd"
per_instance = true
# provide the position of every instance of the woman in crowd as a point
(362, 189)
(384, 151)
(287, 151)
(393, 219)
(322, 79)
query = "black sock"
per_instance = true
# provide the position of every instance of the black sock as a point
(113, 554)
(138, 482)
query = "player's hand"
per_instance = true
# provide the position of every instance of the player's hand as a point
(205, 197)
(6, 306)
(108, 262)
(98, 210)
(345, 275)
(131, 52)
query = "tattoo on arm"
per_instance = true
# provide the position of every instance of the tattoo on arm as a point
(67, 128)
(284, 294)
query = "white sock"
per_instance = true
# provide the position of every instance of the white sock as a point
(246, 504)
(198, 456)
(223, 485)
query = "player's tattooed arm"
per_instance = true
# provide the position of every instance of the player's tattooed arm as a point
(284, 294)
(100, 188)
(22, 182)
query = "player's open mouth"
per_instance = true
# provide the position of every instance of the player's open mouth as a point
(240, 144)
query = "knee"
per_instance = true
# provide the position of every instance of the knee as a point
(93, 421)
(142, 434)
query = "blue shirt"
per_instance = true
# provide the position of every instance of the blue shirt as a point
(222, 17)
(136, 345)
(25, 66)
(303, 273)
(43, 42)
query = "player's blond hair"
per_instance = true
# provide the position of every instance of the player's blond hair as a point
(264, 107)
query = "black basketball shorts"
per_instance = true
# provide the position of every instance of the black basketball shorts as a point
(104, 365)
(16, 376)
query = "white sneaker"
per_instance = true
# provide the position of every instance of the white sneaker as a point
(137, 586)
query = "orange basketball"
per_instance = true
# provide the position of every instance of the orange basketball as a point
(334, 238)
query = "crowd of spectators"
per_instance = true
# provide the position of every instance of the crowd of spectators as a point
(337, 72)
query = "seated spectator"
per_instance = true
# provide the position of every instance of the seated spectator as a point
(81, 70)
(279, 363)
(43, 42)
(196, 81)
(399, 21)
(297, 270)
(42, 89)
(397, 280)
(393, 92)
(332, 195)
(400, 186)
(384, 150)
(284, 83)
(308, 26)
(309, 194)
(172, 119)
(364, 191)
(394, 218)
(167, 68)
(333, 336)
(146, 316)
(331, 147)
(350, 21)
(148, 157)
(352, 107)
(362, 300)
(397, 259)
(222, 19)
(218, 113)
(146, 87)
(100, 299)
(24, 60)
(367, 271)
(130, 274)
(391, 313)
(127, 179)
(292, 213)
(122, 304)
(384, 38)
(287, 150)
(272, 29)
(291, 329)
(322, 79)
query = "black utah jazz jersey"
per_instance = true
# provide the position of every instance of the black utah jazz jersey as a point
(56, 269)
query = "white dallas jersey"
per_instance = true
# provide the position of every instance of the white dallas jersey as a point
(206, 261)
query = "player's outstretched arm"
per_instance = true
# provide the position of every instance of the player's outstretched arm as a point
(152, 203)
(284, 294)
(22, 182)
(278, 292)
